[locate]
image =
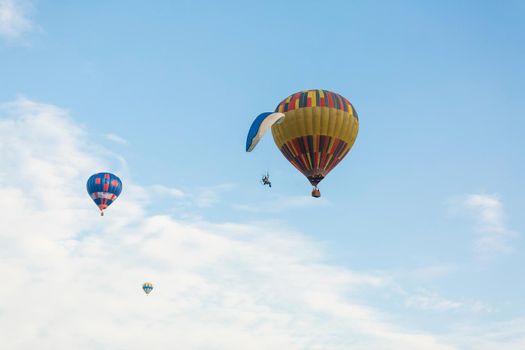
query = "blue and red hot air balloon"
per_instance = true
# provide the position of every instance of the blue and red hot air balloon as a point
(104, 188)
(147, 287)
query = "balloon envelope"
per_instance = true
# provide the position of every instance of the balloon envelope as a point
(147, 287)
(104, 189)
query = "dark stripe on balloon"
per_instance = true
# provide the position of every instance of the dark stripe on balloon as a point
(329, 99)
(315, 162)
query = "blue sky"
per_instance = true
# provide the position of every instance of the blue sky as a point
(429, 200)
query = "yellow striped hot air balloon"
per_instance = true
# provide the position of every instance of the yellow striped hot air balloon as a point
(314, 130)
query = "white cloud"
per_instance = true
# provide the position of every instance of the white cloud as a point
(279, 203)
(490, 210)
(167, 191)
(72, 279)
(432, 301)
(209, 195)
(502, 335)
(494, 236)
(116, 138)
(14, 19)
(432, 272)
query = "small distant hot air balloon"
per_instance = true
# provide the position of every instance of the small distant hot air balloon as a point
(104, 188)
(313, 129)
(147, 287)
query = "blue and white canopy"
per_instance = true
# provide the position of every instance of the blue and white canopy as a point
(260, 125)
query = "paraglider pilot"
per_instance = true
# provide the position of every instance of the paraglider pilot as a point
(266, 180)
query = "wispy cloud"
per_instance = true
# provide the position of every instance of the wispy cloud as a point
(279, 203)
(116, 138)
(15, 19)
(494, 236)
(167, 191)
(431, 301)
(502, 335)
(432, 272)
(226, 286)
(206, 196)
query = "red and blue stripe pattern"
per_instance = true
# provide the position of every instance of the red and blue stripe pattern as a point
(315, 98)
(104, 188)
(315, 156)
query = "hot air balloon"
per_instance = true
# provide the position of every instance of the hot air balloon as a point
(313, 129)
(104, 188)
(147, 287)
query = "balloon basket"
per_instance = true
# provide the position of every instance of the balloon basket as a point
(316, 193)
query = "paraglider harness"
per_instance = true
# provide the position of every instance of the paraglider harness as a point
(266, 180)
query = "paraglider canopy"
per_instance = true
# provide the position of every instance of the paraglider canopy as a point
(260, 125)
